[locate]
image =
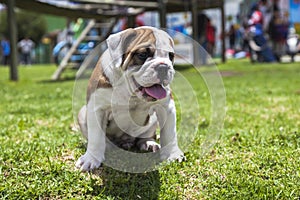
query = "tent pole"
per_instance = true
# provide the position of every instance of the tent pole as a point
(12, 27)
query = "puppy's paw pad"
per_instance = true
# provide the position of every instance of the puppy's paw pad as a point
(87, 162)
(150, 146)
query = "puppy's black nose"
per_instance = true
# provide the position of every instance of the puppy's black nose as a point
(162, 72)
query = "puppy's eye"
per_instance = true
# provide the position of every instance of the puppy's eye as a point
(142, 55)
(171, 56)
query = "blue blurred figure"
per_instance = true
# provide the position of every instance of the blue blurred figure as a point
(257, 41)
(5, 50)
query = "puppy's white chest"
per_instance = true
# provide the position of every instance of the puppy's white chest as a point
(130, 119)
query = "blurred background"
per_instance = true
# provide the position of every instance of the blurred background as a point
(53, 32)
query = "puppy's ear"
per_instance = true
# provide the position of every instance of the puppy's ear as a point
(117, 45)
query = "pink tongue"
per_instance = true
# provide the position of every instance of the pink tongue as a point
(156, 91)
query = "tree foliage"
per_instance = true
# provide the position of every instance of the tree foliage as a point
(28, 24)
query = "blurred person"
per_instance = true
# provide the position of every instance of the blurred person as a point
(202, 21)
(239, 36)
(266, 9)
(292, 43)
(210, 37)
(26, 46)
(231, 34)
(5, 50)
(257, 40)
(278, 31)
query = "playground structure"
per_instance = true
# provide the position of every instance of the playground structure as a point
(107, 13)
(84, 37)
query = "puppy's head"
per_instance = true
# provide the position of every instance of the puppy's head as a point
(146, 56)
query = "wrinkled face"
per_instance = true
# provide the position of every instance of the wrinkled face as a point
(148, 63)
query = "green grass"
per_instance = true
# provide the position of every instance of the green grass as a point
(256, 157)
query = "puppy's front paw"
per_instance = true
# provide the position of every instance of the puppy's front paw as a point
(151, 146)
(87, 162)
(177, 157)
(173, 154)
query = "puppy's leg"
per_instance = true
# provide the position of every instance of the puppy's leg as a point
(96, 123)
(168, 139)
(146, 141)
(81, 118)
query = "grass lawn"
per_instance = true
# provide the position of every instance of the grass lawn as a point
(256, 157)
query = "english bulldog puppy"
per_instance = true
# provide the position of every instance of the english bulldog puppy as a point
(129, 97)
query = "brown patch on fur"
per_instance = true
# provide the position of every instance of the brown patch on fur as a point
(98, 80)
(132, 41)
(144, 39)
(171, 95)
(135, 60)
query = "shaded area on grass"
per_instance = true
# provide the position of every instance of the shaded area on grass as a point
(121, 185)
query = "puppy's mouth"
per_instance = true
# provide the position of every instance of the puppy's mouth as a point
(152, 93)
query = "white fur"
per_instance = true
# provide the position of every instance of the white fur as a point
(125, 111)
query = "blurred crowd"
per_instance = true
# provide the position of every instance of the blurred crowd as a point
(25, 50)
(265, 34)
